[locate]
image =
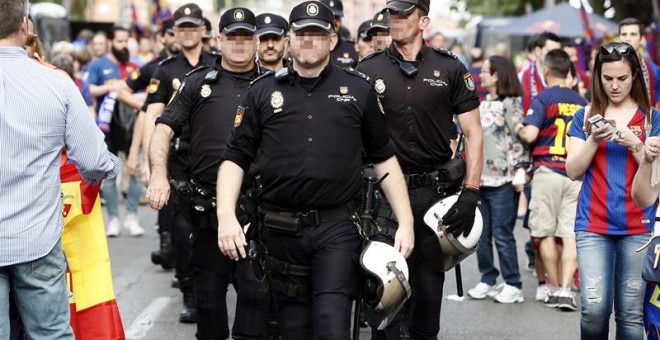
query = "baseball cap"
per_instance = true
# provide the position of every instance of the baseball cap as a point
(380, 21)
(363, 28)
(238, 18)
(268, 23)
(336, 6)
(207, 24)
(407, 6)
(312, 14)
(188, 13)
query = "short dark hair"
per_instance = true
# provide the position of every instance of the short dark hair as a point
(11, 16)
(116, 29)
(544, 37)
(508, 84)
(558, 62)
(630, 22)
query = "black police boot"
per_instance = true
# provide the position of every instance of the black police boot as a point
(165, 255)
(189, 313)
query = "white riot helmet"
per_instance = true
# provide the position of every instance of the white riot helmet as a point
(452, 250)
(386, 287)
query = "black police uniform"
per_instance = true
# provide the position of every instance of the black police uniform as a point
(310, 133)
(344, 54)
(206, 102)
(419, 108)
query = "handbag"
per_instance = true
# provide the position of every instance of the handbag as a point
(651, 270)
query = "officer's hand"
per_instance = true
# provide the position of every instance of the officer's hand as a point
(404, 240)
(460, 217)
(158, 192)
(231, 238)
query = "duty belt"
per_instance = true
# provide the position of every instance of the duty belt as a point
(316, 217)
(424, 180)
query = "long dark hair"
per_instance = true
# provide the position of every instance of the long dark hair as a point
(508, 84)
(638, 92)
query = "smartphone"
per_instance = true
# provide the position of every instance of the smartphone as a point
(598, 121)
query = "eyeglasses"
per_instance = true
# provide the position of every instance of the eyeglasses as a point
(31, 39)
(621, 49)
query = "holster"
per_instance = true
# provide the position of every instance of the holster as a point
(198, 205)
(283, 223)
(451, 173)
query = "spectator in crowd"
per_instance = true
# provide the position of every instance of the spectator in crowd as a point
(437, 40)
(100, 44)
(476, 63)
(630, 31)
(609, 227)
(532, 77)
(145, 52)
(581, 77)
(501, 111)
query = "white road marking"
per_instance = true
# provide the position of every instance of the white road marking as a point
(143, 323)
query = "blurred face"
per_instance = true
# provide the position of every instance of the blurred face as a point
(617, 80)
(188, 35)
(631, 34)
(488, 80)
(100, 45)
(272, 48)
(170, 43)
(239, 47)
(364, 47)
(381, 40)
(145, 45)
(572, 53)
(406, 28)
(311, 46)
(120, 41)
(540, 52)
(438, 41)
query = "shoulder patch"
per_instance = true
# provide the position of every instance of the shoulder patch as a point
(266, 74)
(197, 69)
(445, 52)
(357, 73)
(166, 60)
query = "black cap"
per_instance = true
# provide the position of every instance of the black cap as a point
(336, 6)
(190, 13)
(363, 28)
(312, 13)
(168, 26)
(407, 6)
(380, 21)
(207, 33)
(268, 23)
(238, 18)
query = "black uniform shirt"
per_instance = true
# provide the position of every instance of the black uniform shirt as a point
(419, 110)
(169, 76)
(310, 136)
(344, 54)
(139, 79)
(207, 101)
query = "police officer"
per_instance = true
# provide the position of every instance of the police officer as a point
(344, 54)
(205, 102)
(420, 88)
(379, 31)
(310, 123)
(272, 31)
(363, 45)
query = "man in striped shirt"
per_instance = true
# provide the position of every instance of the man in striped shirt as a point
(41, 110)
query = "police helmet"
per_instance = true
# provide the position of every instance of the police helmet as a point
(386, 287)
(446, 250)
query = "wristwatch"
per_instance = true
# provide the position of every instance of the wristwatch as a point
(636, 148)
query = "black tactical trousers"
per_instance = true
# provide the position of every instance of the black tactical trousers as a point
(331, 250)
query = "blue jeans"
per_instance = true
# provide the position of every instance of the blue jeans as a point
(611, 274)
(41, 294)
(499, 208)
(111, 196)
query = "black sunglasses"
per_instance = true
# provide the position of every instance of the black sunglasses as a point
(621, 49)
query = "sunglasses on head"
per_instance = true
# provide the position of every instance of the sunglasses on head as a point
(621, 49)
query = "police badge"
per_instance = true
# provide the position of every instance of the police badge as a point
(239, 116)
(379, 86)
(469, 82)
(276, 101)
(206, 91)
(176, 83)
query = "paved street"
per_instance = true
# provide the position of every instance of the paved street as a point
(150, 308)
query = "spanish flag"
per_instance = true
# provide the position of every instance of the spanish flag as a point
(94, 312)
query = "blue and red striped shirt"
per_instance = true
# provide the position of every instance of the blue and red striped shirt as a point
(605, 205)
(552, 112)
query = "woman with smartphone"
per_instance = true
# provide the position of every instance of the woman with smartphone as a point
(609, 227)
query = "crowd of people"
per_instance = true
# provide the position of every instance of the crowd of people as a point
(232, 135)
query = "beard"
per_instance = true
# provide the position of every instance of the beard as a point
(172, 48)
(122, 56)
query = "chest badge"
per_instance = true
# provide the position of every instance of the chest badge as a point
(176, 83)
(206, 91)
(276, 101)
(239, 116)
(346, 56)
(343, 89)
(379, 86)
(636, 129)
(436, 73)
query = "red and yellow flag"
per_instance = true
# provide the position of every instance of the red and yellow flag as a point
(94, 311)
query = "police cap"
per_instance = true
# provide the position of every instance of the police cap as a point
(238, 18)
(312, 14)
(168, 26)
(407, 6)
(380, 21)
(336, 6)
(188, 13)
(268, 23)
(208, 28)
(363, 28)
